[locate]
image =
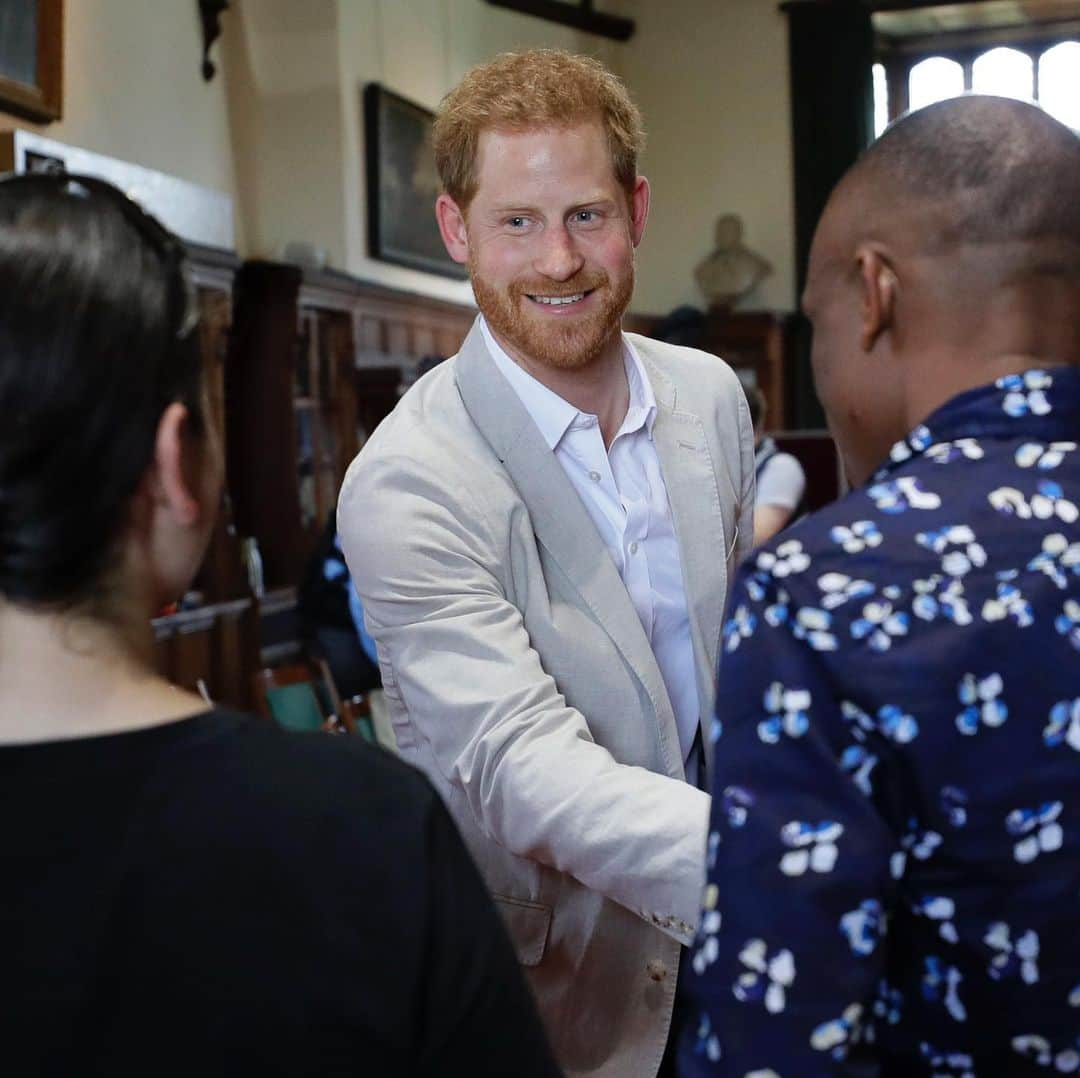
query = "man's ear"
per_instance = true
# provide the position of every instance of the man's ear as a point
(451, 220)
(639, 208)
(878, 286)
(174, 485)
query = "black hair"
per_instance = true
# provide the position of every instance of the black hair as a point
(96, 339)
(427, 363)
(684, 325)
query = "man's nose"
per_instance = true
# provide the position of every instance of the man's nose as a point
(558, 257)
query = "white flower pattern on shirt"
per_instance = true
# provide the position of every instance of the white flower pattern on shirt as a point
(901, 731)
(767, 976)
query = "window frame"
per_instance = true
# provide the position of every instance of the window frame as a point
(899, 54)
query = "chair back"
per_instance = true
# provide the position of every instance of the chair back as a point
(289, 695)
(303, 697)
(356, 715)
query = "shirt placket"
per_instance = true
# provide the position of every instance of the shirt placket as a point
(632, 483)
(585, 445)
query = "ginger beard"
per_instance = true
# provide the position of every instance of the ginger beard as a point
(565, 343)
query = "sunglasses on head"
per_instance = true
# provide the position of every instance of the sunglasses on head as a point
(161, 241)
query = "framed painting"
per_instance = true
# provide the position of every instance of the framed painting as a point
(32, 58)
(402, 184)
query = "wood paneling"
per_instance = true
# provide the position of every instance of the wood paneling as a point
(216, 642)
(260, 424)
(756, 343)
(316, 362)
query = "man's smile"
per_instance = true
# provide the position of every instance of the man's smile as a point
(559, 301)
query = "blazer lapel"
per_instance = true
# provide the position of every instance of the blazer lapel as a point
(561, 522)
(690, 478)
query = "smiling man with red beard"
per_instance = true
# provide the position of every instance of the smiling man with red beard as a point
(542, 533)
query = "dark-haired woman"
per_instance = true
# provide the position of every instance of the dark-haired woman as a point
(186, 890)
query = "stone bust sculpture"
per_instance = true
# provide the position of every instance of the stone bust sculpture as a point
(732, 269)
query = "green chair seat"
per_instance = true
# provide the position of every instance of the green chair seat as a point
(295, 707)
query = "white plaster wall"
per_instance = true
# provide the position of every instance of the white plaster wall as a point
(285, 117)
(133, 90)
(401, 46)
(711, 78)
(478, 31)
(280, 127)
(419, 49)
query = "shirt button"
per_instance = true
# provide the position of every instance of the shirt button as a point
(656, 969)
(594, 476)
(633, 548)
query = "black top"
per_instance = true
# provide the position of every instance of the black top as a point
(213, 896)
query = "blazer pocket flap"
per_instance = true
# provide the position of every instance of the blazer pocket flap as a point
(527, 923)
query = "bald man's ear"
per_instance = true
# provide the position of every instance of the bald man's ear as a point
(878, 285)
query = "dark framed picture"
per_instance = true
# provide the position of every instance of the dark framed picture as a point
(402, 184)
(32, 58)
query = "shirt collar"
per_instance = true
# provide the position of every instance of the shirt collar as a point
(642, 398)
(553, 415)
(1042, 405)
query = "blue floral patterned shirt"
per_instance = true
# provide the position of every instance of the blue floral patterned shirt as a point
(894, 857)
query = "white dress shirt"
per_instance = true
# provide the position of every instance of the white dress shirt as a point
(623, 491)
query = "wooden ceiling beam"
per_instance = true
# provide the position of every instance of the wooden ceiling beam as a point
(581, 16)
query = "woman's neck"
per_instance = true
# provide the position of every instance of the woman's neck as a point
(66, 676)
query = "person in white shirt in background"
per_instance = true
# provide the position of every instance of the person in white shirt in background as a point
(781, 481)
(541, 534)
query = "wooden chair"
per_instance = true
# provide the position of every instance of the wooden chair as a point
(356, 716)
(300, 697)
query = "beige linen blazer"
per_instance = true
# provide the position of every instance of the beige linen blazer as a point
(519, 678)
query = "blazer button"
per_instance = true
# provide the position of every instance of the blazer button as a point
(656, 969)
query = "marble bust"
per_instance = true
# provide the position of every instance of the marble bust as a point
(731, 270)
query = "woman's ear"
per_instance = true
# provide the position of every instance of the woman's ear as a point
(177, 501)
(175, 485)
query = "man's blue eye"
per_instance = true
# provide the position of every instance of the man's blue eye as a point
(517, 222)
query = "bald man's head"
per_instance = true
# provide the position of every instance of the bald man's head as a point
(984, 171)
(949, 254)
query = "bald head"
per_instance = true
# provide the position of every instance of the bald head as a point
(978, 171)
(948, 256)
